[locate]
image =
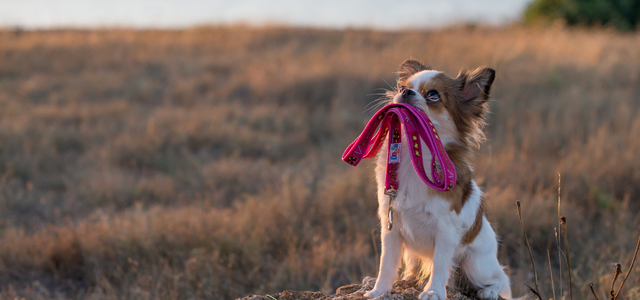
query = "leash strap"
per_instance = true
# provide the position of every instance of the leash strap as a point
(388, 121)
(418, 127)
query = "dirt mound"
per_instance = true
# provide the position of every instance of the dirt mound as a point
(402, 290)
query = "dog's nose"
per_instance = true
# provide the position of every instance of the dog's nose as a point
(406, 92)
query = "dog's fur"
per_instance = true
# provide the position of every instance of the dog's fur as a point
(439, 232)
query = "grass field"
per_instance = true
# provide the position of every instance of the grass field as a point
(205, 163)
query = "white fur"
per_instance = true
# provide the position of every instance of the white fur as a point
(423, 76)
(429, 230)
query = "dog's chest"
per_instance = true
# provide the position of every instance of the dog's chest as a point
(419, 213)
(420, 219)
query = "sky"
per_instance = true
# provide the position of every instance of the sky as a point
(378, 14)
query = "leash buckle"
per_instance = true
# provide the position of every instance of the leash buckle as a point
(392, 193)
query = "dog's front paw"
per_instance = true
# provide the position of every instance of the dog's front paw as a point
(432, 294)
(374, 293)
(489, 293)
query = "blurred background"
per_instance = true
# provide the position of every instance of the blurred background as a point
(191, 150)
(171, 14)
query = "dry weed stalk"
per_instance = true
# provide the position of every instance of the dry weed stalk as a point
(633, 261)
(618, 271)
(558, 236)
(526, 239)
(559, 258)
(534, 291)
(592, 291)
(553, 288)
(563, 221)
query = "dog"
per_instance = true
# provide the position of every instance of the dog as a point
(439, 233)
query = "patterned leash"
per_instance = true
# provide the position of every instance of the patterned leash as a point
(418, 127)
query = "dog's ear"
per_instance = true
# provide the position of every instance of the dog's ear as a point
(476, 84)
(408, 68)
(475, 87)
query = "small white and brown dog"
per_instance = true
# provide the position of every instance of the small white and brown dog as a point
(440, 233)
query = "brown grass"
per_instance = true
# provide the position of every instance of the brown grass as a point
(205, 163)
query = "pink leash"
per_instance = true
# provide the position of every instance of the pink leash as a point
(418, 127)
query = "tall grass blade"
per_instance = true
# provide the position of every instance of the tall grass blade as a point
(563, 221)
(526, 239)
(553, 288)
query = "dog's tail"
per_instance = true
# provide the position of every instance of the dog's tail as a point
(461, 282)
(426, 266)
(416, 268)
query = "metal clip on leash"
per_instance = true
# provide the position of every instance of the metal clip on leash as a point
(392, 193)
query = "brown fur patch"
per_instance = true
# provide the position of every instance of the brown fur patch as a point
(408, 68)
(470, 236)
(459, 195)
(467, 188)
(472, 93)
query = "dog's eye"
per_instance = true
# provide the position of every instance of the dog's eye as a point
(432, 96)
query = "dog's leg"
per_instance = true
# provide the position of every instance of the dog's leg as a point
(442, 264)
(389, 261)
(482, 267)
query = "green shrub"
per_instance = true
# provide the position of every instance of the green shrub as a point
(621, 14)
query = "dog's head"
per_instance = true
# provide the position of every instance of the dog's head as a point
(456, 106)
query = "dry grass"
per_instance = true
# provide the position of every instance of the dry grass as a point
(206, 163)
